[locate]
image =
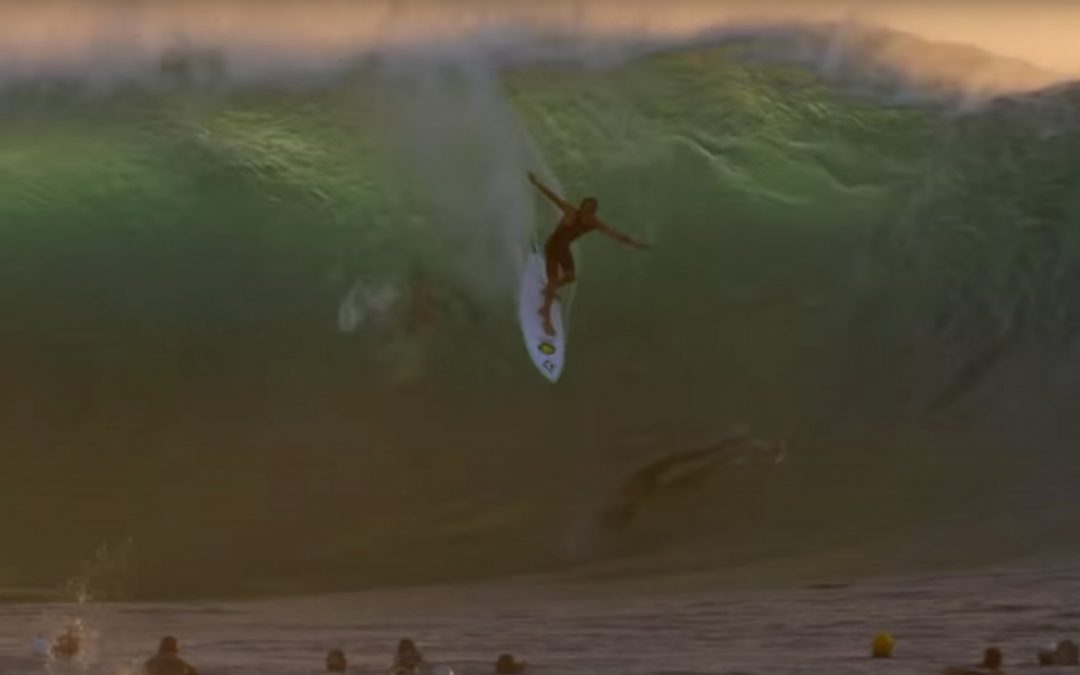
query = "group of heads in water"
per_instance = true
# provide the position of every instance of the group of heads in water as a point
(408, 661)
(69, 645)
(1064, 653)
(167, 661)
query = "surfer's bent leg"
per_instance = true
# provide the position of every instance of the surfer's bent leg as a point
(558, 259)
(560, 267)
(566, 262)
(552, 259)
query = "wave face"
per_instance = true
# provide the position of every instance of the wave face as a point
(262, 336)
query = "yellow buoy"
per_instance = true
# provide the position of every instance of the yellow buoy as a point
(883, 646)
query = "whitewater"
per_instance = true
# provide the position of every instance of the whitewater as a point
(257, 281)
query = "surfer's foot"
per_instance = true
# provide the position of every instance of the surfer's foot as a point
(545, 316)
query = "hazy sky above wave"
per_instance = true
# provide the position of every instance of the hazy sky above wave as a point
(58, 33)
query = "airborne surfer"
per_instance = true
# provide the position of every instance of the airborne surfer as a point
(576, 221)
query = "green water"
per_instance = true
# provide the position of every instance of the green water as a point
(829, 267)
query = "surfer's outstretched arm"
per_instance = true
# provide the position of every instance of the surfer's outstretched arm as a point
(619, 236)
(564, 206)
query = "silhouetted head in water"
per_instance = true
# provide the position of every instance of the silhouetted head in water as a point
(1066, 653)
(408, 656)
(336, 661)
(589, 205)
(167, 661)
(508, 665)
(991, 658)
(169, 645)
(67, 645)
(1046, 657)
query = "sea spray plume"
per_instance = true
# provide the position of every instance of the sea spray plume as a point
(106, 575)
(466, 149)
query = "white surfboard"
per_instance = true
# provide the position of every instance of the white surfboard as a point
(548, 352)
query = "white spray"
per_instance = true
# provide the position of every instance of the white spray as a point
(468, 153)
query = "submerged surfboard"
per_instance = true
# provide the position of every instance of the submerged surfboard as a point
(548, 352)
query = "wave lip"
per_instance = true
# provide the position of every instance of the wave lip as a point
(113, 42)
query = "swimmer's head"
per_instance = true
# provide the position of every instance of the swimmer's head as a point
(992, 658)
(1066, 653)
(506, 664)
(336, 661)
(169, 645)
(406, 645)
(589, 205)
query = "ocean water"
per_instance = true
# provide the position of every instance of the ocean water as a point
(667, 626)
(259, 341)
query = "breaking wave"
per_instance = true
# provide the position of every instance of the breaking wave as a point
(261, 335)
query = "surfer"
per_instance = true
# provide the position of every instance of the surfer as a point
(407, 660)
(990, 665)
(576, 221)
(336, 661)
(67, 645)
(1065, 653)
(168, 661)
(506, 664)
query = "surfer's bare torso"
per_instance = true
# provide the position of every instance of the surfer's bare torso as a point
(576, 222)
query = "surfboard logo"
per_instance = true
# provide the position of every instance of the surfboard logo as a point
(549, 366)
(546, 348)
